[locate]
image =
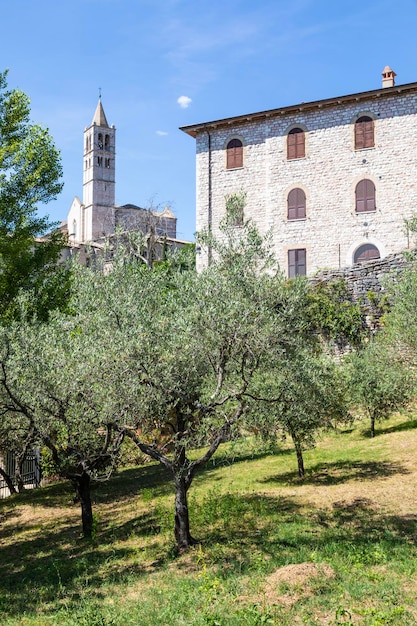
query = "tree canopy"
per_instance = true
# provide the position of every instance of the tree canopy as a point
(30, 175)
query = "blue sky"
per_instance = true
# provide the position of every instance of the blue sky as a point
(162, 64)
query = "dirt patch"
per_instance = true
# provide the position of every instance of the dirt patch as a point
(357, 503)
(296, 577)
(299, 573)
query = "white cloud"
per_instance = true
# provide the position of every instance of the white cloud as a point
(184, 102)
(161, 133)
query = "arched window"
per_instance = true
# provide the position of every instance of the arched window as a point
(367, 252)
(100, 141)
(234, 154)
(107, 142)
(296, 145)
(74, 229)
(365, 196)
(364, 133)
(296, 204)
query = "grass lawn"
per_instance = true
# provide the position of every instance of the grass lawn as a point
(337, 548)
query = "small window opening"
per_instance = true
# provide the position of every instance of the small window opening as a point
(296, 144)
(234, 154)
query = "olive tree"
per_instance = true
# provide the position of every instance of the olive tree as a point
(50, 388)
(188, 347)
(301, 396)
(380, 381)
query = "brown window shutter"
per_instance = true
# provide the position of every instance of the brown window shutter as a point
(291, 263)
(367, 252)
(364, 133)
(365, 196)
(301, 262)
(300, 141)
(360, 197)
(297, 265)
(370, 195)
(296, 144)
(368, 132)
(234, 154)
(296, 204)
(359, 138)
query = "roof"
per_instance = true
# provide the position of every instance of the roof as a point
(99, 116)
(166, 212)
(194, 129)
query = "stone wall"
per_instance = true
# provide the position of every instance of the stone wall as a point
(367, 283)
(363, 278)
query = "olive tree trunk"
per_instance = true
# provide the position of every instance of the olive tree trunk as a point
(299, 453)
(182, 521)
(82, 486)
(8, 480)
(372, 425)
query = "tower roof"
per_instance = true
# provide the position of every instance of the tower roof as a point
(99, 116)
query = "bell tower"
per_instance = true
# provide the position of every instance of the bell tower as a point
(99, 177)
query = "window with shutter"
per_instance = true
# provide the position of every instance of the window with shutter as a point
(234, 154)
(296, 144)
(364, 133)
(365, 196)
(367, 252)
(297, 262)
(296, 204)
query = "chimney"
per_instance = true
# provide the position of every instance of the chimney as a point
(388, 77)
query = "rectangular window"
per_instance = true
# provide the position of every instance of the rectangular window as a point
(297, 262)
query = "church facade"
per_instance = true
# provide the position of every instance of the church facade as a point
(333, 180)
(94, 219)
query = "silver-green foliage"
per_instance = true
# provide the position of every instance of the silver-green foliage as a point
(380, 381)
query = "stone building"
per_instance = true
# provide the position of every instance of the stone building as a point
(96, 218)
(332, 180)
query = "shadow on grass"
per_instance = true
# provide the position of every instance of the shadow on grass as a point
(56, 563)
(130, 482)
(339, 472)
(262, 532)
(240, 533)
(407, 425)
(121, 486)
(379, 430)
(232, 457)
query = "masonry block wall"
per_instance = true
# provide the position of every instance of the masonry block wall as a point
(364, 278)
(332, 230)
(367, 282)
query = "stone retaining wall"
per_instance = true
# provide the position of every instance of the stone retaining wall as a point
(363, 278)
(367, 282)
